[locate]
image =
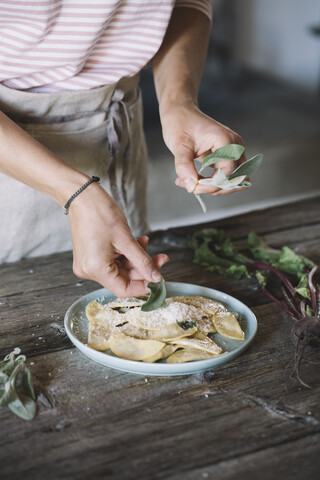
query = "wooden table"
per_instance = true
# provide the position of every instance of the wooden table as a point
(247, 419)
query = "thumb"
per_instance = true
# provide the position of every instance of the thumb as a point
(185, 168)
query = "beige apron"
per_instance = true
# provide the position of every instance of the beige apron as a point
(97, 131)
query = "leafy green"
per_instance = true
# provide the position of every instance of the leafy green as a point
(261, 251)
(261, 276)
(285, 259)
(17, 392)
(218, 254)
(157, 297)
(302, 288)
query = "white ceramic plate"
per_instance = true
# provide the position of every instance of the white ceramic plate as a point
(76, 325)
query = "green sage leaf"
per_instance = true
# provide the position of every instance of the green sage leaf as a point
(220, 180)
(248, 167)
(9, 394)
(24, 407)
(157, 297)
(228, 152)
(17, 392)
(186, 325)
(27, 383)
(245, 184)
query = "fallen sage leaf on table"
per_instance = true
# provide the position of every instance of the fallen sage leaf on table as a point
(157, 297)
(16, 387)
(237, 178)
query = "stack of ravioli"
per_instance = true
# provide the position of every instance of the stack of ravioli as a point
(178, 332)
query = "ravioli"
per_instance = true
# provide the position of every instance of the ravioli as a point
(179, 332)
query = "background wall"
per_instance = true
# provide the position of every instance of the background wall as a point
(275, 37)
(262, 80)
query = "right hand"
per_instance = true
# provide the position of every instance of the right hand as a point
(104, 249)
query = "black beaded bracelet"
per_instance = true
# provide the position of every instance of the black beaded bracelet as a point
(67, 205)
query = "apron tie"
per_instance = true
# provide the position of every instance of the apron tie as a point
(119, 129)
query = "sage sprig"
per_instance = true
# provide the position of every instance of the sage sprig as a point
(156, 298)
(16, 387)
(237, 178)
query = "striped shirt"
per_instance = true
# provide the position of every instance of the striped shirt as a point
(79, 44)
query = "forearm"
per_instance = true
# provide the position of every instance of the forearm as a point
(179, 63)
(26, 160)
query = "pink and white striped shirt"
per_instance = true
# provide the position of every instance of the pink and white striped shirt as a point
(79, 44)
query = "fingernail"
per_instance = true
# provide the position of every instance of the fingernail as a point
(156, 276)
(190, 184)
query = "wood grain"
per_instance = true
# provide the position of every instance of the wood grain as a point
(248, 418)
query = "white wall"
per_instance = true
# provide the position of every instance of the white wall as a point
(273, 36)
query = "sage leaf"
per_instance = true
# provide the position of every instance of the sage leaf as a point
(157, 296)
(16, 391)
(9, 394)
(27, 383)
(24, 407)
(237, 178)
(187, 325)
(247, 167)
(228, 152)
(211, 160)
(220, 180)
(3, 378)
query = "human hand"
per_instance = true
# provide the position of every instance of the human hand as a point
(104, 249)
(192, 135)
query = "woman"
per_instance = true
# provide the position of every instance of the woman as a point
(71, 110)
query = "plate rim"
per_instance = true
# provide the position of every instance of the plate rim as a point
(160, 369)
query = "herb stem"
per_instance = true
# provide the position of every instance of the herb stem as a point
(274, 299)
(317, 312)
(312, 288)
(264, 266)
(303, 307)
(289, 302)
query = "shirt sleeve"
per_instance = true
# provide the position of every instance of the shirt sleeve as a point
(205, 6)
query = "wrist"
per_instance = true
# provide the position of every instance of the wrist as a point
(175, 99)
(66, 186)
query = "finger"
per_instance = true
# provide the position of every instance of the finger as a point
(160, 260)
(118, 281)
(143, 240)
(228, 166)
(124, 263)
(138, 258)
(133, 274)
(227, 192)
(206, 189)
(184, 165)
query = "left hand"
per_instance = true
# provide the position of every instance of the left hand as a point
(192, 135)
